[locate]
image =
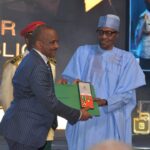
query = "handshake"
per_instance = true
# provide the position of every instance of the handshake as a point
(84, 114)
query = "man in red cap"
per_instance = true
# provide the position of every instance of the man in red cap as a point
(30, 28)
(11, 65)
(9, 70)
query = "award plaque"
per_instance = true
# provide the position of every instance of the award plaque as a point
(86, 98)
(70, 96)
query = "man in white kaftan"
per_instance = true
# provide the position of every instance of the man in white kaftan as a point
(115, 74)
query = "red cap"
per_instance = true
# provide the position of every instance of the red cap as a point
(31, 27)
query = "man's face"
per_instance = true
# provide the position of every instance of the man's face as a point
(49, 43)
(107, 37)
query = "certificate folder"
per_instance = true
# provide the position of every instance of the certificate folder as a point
(69, 95)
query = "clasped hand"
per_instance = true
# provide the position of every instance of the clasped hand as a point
(100, 102)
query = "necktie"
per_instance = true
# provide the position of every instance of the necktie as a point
(55, 123)
(49, 68)
(50, 73)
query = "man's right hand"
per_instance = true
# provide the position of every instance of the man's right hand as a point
(85, 114)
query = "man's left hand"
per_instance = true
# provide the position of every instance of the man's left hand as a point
(100, 102)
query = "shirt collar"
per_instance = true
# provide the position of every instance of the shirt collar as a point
(42, 55)
(25, 52)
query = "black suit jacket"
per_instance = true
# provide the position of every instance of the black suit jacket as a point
(35, 105)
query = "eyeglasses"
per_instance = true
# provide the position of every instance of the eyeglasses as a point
(107, 33)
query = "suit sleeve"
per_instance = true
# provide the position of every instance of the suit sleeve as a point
(41, 82)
